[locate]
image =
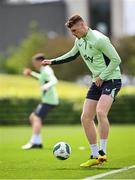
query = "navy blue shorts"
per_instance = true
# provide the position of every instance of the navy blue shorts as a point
(110, 87)
(43, 109)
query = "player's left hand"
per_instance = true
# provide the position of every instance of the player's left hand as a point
(99, 82)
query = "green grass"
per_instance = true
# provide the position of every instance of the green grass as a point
(41, 164)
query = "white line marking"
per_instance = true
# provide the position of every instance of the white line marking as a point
(111, 172)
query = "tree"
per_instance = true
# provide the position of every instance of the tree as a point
(126, 49)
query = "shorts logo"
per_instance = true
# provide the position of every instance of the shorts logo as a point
(113, 93)
(108, 90)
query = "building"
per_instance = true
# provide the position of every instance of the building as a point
(112, 17)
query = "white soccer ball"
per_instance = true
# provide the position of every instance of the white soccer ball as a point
(62, 150)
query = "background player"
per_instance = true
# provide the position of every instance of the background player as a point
(49, 99)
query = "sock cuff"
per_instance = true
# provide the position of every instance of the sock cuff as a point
(92, 145)
(104, 140)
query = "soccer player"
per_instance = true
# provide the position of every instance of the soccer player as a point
(103, 61)
(49, 99)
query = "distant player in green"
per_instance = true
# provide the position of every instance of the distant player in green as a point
(103, 61)
(49, 99)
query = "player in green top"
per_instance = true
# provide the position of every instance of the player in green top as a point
(49, 99)
(103, 61)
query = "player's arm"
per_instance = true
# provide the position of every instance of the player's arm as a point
(69, 56)
(29, 72)
(50, 81)
(108, 49)
(35, 75)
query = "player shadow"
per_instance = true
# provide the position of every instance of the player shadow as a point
(88, 168)
(106, 168)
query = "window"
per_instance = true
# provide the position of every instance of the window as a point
(100, 15)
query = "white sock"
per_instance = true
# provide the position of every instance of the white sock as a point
(36, 139)
(94, 150)
(103, 143)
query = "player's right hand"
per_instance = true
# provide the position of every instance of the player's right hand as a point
(27, 71)
(46, 62)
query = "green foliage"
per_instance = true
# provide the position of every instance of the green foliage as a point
(17, 110)
(68, 71)
(126, 49)
(20, 95)
(122, 110)
(20, 57)
(2, 63)
(36, 42)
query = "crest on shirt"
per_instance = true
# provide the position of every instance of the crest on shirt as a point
(80, 43)
(90, 46)
(87, 58)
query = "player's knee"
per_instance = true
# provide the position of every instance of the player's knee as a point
(101, 114)
(31, 118)
(84, 118)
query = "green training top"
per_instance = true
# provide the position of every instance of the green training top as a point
(46, 75)
(98, 53)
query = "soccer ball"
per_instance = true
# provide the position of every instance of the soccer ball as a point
(62, 150)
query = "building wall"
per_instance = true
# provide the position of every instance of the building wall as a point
(117, 18)
(77, 7)
(123, 18)
(15, 21)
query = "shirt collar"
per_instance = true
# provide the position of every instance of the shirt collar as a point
(89, 35)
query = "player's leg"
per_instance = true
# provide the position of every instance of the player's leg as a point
(109, 91)
(36, 118)
(87, 119)
(103, 107)
(35, 141)
(36, 122)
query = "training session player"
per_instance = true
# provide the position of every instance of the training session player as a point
(103, 61)
(49, 99)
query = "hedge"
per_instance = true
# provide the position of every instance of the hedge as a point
(17, 110)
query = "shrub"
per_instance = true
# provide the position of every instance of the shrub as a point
(126, 49)
(17, 110)
(21, 57)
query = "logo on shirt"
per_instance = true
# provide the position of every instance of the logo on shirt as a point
(80, 44)
(90, 46)
(87, 58)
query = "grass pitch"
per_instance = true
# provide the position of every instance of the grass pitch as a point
(41, 164)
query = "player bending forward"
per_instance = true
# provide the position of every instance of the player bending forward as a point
(49, 99)
(103, 61)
